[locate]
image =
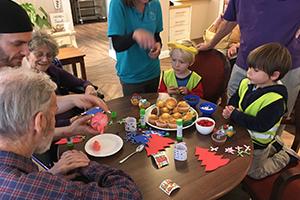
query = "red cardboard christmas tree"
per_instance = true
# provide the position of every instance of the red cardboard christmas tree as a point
(210, 160)
(157, 143)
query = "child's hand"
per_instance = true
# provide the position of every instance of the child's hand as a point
(183, 90)
(227, 111)
(172, 90)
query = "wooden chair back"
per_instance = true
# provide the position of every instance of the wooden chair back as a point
(214, 68)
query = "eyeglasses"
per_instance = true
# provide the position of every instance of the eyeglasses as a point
(39, 55)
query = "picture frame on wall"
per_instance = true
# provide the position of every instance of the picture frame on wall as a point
(57, 21)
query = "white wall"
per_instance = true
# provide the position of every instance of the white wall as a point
(165, 33)
(204, 12)
(48, 5)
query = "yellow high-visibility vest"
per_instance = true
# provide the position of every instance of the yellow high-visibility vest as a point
(170, 79)
(254, 108)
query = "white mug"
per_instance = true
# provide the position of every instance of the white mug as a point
(180, 151)
(130, 124)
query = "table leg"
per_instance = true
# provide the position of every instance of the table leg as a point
(74, 69)
(82, 68)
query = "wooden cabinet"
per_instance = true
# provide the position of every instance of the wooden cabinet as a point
(179, 22)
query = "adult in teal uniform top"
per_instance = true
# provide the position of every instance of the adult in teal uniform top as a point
(134, 27)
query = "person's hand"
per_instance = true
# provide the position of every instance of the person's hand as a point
(86, 101)
(232, 51)
(172, 90)
(155, 51)
(144, 38)
(203, 46)
(227, 111)
(69, 161)
(183, 90)
(90, 90)
(80, 125)
(297, 35)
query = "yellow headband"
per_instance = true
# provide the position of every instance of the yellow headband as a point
(175, 45)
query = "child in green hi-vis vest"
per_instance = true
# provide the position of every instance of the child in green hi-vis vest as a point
(259, 104)
(180, 80)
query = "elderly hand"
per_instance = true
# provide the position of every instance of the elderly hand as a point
(69, 161)
(227, 111)
(155, 51)
(144, 38)
(83, 101)
(80, 125)
(88, 101)
(90, 90)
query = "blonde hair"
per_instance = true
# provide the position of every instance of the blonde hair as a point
(186, 47)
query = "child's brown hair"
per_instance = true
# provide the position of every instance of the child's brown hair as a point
(269, 58)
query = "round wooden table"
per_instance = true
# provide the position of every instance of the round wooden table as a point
(195, 183)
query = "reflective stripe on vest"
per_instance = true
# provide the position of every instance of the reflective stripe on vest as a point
(255, 107)
(170, 79)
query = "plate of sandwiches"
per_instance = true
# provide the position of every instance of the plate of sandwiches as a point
(164, 113)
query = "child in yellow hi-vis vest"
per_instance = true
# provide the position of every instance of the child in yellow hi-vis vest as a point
(259, 104)
(179, 79)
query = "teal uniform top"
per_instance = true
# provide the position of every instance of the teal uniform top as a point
(134, 65)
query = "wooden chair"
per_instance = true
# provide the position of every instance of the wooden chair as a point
(215, 70)
(76, 90)
(284, 185)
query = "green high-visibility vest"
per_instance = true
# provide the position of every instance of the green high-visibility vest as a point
(254, 108)
(170, 79)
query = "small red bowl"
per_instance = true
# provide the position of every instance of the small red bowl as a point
(205, 125)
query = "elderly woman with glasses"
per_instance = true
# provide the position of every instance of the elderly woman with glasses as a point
(43, 50)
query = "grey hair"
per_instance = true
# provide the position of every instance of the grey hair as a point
(23, 93)
(39, 39)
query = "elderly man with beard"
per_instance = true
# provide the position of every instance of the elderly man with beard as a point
(26, 126)
(15, 34)
(27, 106)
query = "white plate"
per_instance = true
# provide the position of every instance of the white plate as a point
(148, 112)
(110, 144)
